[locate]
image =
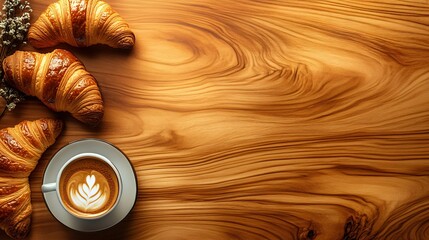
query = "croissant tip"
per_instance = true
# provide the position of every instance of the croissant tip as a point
(127, 41)
(34, 40)
(126, 44)
(57, 125)
(37, 44)
(91, 118)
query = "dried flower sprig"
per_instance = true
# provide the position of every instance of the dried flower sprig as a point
(14, 25)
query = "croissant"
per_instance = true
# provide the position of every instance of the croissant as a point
(20, 149)
(59, 80)
(80, 23)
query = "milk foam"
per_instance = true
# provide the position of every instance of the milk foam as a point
(88, 191)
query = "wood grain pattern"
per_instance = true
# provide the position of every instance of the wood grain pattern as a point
(262, 120)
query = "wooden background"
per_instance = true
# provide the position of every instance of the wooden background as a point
(262, 119)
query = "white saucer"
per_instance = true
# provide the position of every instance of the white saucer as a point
(122, 164)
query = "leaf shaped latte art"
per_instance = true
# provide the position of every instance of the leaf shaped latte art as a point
(88, 196)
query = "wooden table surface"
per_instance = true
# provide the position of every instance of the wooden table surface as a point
(253, 119)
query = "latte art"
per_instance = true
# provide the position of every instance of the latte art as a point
(88, 187)
(88, 196)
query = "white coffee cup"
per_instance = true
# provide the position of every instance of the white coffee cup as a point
(54, 186)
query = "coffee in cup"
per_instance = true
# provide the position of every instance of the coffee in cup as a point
(88, 186)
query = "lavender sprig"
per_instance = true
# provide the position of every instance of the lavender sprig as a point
(14, 25)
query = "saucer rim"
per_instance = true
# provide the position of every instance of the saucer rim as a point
(88, 220)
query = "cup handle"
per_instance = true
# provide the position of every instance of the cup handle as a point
(49, 187)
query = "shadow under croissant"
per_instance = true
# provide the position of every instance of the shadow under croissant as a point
(99, 50)
(90, 130)
(94, 51)
(21, 111)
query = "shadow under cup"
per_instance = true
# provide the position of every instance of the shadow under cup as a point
(88, 186)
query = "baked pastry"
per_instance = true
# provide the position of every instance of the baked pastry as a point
(80, 23)
(20, 149)
(59, 80)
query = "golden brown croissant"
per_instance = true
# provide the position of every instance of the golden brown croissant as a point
(59, 80)
(80, 23)
(20, 149)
